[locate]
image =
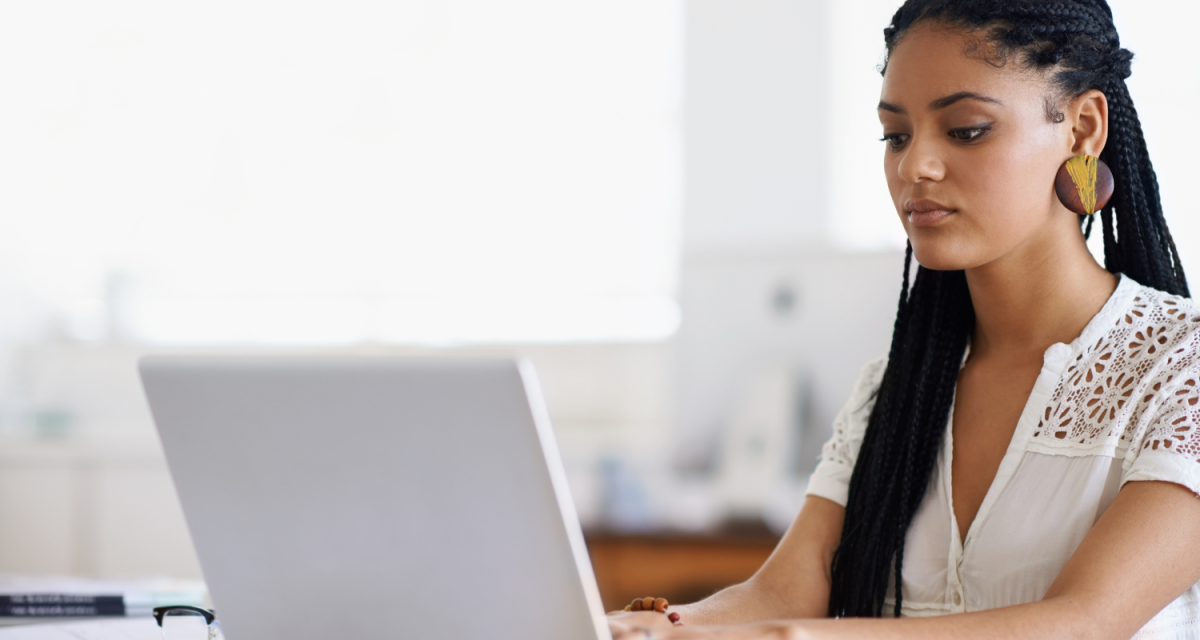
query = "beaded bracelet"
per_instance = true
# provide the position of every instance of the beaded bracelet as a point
(653, 604)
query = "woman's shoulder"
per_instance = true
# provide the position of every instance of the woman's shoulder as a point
(1159, 333)
(850, 425)
(870, 377)
(831, 479)
(1150, 306)
(862, 397)
(1116, 388)
(1162, 346)
(1151, 326)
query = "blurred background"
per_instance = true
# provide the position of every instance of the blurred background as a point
(660, 202)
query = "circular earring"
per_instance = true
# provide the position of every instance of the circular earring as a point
(1084, 184)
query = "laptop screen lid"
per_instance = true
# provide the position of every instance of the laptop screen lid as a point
(374, 497)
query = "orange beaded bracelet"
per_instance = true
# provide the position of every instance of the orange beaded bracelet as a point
(653, 604)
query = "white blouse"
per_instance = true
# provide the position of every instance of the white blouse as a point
(1119, 404)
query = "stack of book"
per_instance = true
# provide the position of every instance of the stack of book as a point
(22, 597)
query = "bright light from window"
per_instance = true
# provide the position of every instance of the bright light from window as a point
(304, 173)
(1164, 87)
(862, 217)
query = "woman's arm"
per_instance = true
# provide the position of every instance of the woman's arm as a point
(794, 581)
(1142, 554)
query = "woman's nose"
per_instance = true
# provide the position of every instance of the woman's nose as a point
(921, 161)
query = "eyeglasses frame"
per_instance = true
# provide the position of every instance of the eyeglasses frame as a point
(209, 616)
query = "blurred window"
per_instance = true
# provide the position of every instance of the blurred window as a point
(324, 173)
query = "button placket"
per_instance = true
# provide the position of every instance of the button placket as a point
(956, 584)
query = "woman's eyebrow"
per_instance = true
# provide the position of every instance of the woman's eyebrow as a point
(941, 103)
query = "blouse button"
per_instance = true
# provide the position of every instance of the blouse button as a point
(957, 599)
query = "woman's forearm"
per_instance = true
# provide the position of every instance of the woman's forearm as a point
(739, 604)
(1049, 619)
(758, 599)
(793, 583)
(1053, 619)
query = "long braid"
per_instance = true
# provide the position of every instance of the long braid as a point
(884, 404)
(1074, 40)
(933, 324)
(1156, 248)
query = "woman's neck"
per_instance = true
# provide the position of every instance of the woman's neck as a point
(1040, 294)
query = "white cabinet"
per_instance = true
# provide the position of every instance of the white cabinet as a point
(73, 507)
(36, 503)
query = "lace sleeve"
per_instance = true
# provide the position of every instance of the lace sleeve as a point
(831, 480)
(1168, 447)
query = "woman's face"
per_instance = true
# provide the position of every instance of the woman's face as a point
(970, 153)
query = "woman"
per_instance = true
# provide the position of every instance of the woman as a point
(1027, 458)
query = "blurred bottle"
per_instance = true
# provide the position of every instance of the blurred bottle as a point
(625, 505)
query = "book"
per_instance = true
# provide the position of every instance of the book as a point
(82, 629)
(60, 605)
(55, 597)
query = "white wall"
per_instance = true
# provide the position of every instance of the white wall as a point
(861, 216)
(1165, 86)
(820, 315)
(300, 173)
(755, 124)
(759, 182)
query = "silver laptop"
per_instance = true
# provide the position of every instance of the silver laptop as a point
(374, 498)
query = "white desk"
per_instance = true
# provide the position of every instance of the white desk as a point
(111, 629)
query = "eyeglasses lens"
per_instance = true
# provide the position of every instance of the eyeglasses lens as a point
(181, 624)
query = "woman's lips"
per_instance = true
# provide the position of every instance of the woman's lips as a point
(926, 213)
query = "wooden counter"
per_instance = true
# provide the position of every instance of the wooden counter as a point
(680, 567)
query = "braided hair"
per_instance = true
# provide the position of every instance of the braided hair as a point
(1076, 43)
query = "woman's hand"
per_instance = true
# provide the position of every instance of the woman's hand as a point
(645, 626)
(633, 625)
(641, 617)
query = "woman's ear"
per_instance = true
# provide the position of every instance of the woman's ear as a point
(1088, 117)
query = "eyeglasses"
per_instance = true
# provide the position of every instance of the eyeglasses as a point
(188, 623)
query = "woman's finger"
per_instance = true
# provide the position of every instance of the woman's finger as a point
(624, 625)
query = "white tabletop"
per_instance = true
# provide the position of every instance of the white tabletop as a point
(111, 629)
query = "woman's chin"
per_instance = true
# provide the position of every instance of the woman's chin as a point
(937, 256)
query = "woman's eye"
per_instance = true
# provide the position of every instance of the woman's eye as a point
(895, 140)
(969, 134)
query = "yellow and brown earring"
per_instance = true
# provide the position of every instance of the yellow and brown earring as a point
(1084, 184)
